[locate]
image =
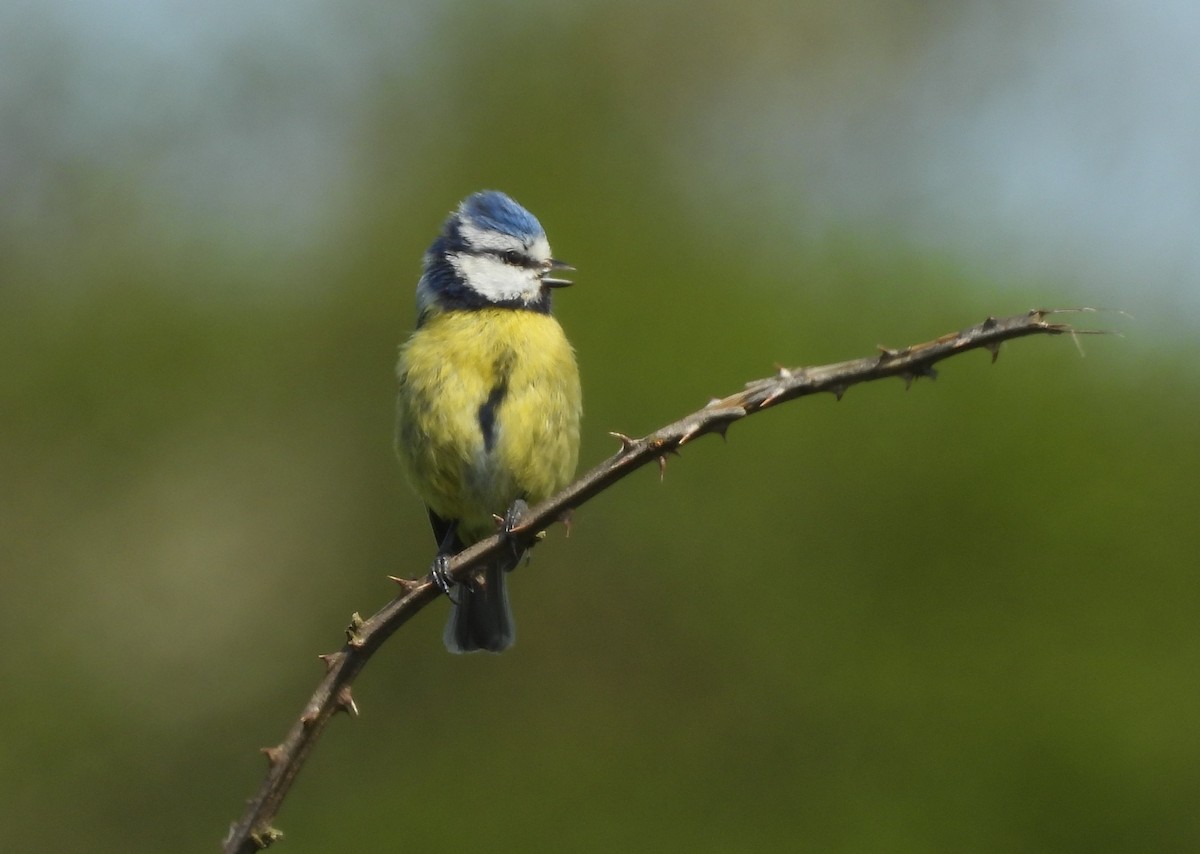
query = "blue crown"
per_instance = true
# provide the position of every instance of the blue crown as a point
(494, 211)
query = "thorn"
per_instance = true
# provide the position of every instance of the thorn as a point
(266, 837)
(917, 372)
(783, 373)
(273, 754)
(346, 701)
(886, 353)
(565, 518)
(408, 585)
(330, 659)
(990, 322)
(310, 716)
(838, 390)
(994, 349)
(712, 401)
(354, 630)
(662, 467)
(688, 435)
(775, 394)
(627, 442)
(721, 428)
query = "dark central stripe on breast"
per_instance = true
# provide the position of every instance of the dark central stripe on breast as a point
(487, 414)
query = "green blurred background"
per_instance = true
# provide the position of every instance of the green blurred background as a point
(961, 618)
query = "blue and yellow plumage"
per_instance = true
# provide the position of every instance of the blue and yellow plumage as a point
(489, 403)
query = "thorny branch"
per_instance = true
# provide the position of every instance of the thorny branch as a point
(254, 830)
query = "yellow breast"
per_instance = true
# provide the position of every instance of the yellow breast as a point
(488, 412)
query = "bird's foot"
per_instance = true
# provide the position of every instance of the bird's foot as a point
(512, 519)
(511, 524)
(439, 574)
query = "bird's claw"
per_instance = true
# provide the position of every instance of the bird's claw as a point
(512, 523)
(516, 512)
(439, 574)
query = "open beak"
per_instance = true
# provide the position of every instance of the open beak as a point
(551, 282)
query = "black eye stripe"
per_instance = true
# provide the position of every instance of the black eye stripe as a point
(515, 258)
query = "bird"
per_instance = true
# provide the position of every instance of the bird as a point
(489, 401)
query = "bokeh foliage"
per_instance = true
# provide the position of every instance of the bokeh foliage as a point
(957, 618)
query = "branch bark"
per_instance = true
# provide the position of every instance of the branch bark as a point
(254, 830)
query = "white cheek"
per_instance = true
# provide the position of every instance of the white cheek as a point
(495, 280)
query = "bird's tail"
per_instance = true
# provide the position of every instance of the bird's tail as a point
(480, 618)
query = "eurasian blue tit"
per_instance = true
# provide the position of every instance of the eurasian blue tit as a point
(489, 404)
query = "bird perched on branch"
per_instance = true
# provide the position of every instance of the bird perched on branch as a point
(489, 403)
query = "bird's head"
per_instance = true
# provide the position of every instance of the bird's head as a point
(491, 252)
